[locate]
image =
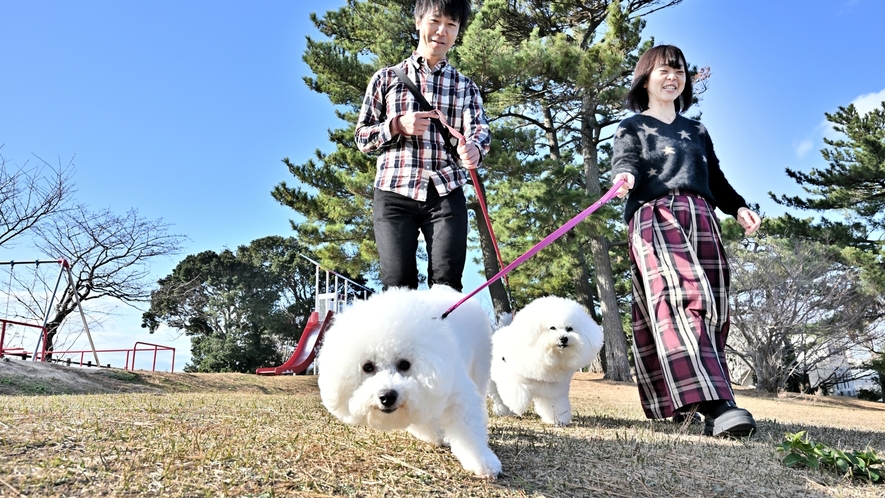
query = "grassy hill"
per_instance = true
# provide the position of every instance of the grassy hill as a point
(68, 431)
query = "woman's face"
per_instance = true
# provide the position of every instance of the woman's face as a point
(665, 83)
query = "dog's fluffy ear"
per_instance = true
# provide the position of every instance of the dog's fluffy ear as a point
(587, 327)
(432, 350)
(338, 367)
(336, 381)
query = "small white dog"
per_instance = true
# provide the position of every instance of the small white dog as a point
(390, 362)
(535, 356)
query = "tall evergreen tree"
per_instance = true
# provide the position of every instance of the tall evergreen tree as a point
(562, 71)
(553, 76)
(852, 187)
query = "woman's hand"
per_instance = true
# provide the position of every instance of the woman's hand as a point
(627, 186)
(749, 220)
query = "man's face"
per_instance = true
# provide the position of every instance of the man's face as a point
(436, 35)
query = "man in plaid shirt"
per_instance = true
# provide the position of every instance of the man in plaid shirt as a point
(418, 185)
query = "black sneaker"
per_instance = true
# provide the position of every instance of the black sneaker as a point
(731, 422)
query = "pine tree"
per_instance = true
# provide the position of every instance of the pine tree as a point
(852, 187)
(553, 76)
(559, 72)
(333, 192)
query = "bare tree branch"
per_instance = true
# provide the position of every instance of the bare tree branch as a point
(795, 309)
(30, 194)
(109, 255)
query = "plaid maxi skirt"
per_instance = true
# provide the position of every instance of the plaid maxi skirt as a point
(680, 304)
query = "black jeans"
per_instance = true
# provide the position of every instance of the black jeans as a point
(442, 220)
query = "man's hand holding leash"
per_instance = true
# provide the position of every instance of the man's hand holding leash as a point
(469, 154)
(413, 123)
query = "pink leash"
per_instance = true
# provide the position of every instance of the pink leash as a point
(544, 243)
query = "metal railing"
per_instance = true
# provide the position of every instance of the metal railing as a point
(57, 356)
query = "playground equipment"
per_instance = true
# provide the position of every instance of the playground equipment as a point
(306, 350)
(64, 269)
(326, 304)
(14, 327)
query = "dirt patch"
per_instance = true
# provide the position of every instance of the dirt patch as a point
(20, 377)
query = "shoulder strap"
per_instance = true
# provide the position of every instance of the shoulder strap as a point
(412, 88)
(448, 140)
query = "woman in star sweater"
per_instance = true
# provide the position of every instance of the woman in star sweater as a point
(681, 278)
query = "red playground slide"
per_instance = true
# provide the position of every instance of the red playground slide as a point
(306, 349)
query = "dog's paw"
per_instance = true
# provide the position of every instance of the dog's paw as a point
(557, 420)
(485, 466)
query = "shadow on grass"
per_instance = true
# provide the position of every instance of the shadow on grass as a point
(602, 455)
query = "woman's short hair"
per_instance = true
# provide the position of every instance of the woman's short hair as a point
(456, 10)
(637, 97)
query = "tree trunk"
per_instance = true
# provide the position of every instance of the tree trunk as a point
(49, 341)
(616, 360)
(498, 292)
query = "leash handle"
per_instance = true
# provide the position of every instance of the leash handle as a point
(559, 232)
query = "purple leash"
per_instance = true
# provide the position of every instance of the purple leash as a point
(544, 243)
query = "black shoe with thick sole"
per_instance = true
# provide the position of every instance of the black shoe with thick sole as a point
(734, 422)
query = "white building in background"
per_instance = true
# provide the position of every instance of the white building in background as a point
(842, 368)
(845, 370)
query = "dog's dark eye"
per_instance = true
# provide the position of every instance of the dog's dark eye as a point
(568, 329)
(553, 327)
(369, 367)
(404, 365)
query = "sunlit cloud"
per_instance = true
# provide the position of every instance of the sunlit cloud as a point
(869, 101)
(863, 104)
(803, 147)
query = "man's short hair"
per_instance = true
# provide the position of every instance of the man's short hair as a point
(456, 10)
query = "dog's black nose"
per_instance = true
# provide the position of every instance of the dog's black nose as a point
(563, 341)
(387, 398)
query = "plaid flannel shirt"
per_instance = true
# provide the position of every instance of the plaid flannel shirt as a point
(407, 163)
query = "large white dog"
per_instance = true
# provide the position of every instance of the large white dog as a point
(535, 356)
(390, 362)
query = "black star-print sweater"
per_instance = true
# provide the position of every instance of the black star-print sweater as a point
(662, 157)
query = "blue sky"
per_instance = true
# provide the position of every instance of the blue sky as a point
(184, 109)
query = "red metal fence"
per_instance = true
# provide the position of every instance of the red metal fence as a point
(57, 356)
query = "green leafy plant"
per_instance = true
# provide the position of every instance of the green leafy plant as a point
(861, 464)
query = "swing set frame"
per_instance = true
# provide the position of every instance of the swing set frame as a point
(40, 352)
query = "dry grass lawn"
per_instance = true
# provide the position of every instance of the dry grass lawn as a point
(66, 432)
